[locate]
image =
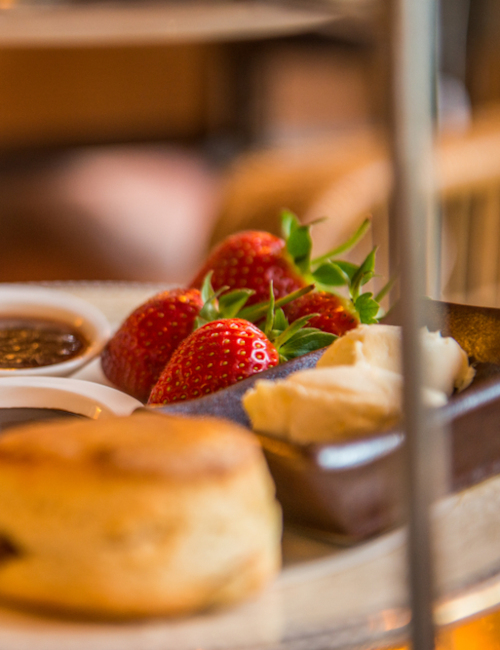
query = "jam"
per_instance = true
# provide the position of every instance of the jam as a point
(11, 417)
(33, 343)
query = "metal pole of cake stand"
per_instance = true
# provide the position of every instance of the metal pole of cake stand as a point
(413, 46)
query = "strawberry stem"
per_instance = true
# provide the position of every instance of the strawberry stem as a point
(363, 275)
(295, 340)
(346, 246)
(210, 309)
(255, 312)
(292, 340)
(385, 289)
(221, 303)
(271, 310)
(291, 330)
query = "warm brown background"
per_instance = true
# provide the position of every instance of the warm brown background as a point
(67, 96)
(207, 97)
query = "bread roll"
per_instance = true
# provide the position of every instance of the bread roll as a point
(139, 516)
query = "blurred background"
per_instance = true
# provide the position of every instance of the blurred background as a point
(128, 160)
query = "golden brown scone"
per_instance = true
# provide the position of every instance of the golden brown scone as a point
(139, 516)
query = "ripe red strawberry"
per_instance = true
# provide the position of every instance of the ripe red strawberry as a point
(135, 356)
(252, 259)
(255, 259)
(216, 355)
(333, 312)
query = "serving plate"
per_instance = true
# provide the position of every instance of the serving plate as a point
(25, 399)
(326, 596)
(349, 491)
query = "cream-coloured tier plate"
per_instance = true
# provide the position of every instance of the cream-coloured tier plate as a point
(76, 22)
(325, 596)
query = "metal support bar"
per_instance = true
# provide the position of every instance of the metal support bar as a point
(412, 78)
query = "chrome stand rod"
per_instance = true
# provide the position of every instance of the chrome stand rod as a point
(412, 76)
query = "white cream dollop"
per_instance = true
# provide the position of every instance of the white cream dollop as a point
(326, 404)
(356, 387)
(445, 364)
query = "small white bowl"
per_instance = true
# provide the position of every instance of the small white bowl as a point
(52, 304)
(64, 394)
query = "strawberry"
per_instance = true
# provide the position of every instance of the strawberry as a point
(252, 259)
(331, 313)
(216, 355)
(135, 356)
(223, 352)
(255, 259)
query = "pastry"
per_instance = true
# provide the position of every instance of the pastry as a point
(130, 517)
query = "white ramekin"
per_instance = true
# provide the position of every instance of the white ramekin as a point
(20, 301)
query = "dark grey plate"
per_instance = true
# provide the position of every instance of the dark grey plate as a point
(350, 491)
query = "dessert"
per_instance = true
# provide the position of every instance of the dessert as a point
(256, 260)
(356, 387)
(176, 331)
(140, 516)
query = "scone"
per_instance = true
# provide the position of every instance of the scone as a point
(140, 516)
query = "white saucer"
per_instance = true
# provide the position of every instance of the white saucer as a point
(72, 395)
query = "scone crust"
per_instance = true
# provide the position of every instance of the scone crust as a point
(144, 444)
(141, 516)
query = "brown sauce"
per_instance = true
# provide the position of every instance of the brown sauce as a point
(33, 343)
(11, 417)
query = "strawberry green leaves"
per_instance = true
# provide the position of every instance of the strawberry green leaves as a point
(230, 304)
(221, 303)
(294, 343)
(363, 274)
(367, 308)
(326, 272)
(293, 340)
(324, 269)
(298, 241)
(365, 305)
(331, 274)
(347, 245)
(255, 313)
